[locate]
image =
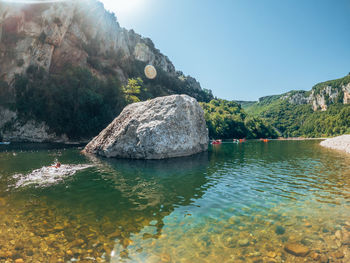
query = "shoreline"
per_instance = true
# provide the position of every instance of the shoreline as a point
(299, 139)
(340, 143)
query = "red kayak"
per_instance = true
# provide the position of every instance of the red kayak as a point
(216, 142)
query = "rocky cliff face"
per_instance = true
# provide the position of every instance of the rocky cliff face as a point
(329, 92)
(297, 97)
(52, 35)
(320, 97)
(80, 33)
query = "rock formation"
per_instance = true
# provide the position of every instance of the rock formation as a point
(80, 33)
(164, 127)
(56, 34)
(328, 94)
(320, 97)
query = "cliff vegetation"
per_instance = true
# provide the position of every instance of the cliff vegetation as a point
(322, 112)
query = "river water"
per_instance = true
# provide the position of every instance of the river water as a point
(236, 203)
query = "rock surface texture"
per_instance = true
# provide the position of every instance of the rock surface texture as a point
(341, 143)
(165, 127)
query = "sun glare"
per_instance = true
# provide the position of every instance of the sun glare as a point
(124, 7)
(32, 1)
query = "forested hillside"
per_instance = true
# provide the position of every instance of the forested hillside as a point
(323, 111)
(227, 120)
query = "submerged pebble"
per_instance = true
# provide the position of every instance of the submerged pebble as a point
(280, 230)
(297, 249)
(243, 242)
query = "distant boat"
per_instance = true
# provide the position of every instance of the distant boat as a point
(216, 142)
(264, 140)
(4, 143)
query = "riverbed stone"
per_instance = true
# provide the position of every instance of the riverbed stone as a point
(243, 242)
(271, 254)
(280, 230)
(297, 249)
(165, 127)
(338, 254)
(2, 254)
(76, 243)
(345, 238)
(315, 256)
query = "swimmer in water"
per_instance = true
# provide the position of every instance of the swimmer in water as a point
(58, 165)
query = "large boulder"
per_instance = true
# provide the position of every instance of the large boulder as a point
(164, 127)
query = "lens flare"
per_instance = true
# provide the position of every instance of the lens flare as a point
(150, 72)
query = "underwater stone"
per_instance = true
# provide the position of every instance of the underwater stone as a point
(280, 230)
(271, 254)
(297, 249)
(243, 242)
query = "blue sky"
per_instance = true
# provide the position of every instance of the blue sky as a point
(246, 49)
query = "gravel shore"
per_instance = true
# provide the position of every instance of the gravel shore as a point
(341, 143)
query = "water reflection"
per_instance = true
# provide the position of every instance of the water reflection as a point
(236, 203)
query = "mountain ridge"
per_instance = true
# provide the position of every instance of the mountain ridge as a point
(337, 90)
(322, 111)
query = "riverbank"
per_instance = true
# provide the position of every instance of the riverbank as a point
(341, 143)
(298, 139)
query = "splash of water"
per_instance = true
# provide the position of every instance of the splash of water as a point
(47, 176)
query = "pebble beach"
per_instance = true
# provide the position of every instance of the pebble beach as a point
(341, 143)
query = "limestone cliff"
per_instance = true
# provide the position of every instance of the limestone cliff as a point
(52, 35)
(320, 97)
(333, 91)
(80, 33)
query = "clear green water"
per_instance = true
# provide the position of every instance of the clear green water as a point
(236, 203)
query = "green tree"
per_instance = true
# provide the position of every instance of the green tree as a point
(132, 90)
(227, 120)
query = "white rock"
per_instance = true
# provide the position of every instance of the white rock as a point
(164, 127)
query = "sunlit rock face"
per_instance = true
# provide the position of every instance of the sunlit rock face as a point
(321, 99)
(164, 127)
(55, 34)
